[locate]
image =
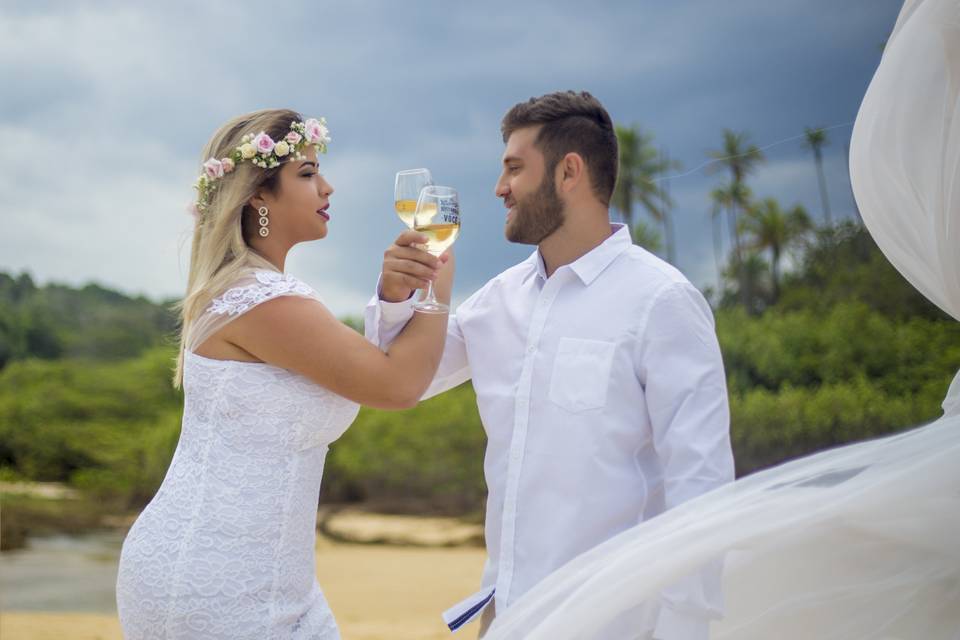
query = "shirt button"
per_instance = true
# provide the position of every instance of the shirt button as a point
(531, 349)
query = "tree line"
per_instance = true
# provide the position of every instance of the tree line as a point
(761, 231)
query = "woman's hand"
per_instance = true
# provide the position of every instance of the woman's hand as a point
(406, 268)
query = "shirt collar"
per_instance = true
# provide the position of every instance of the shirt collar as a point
(591, 264)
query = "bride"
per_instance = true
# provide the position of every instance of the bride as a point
(270, 377)
(857, 543)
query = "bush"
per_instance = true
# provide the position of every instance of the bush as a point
(109, 428)
(800, 380)
(848, 342)
(429, 458)
(768, 428)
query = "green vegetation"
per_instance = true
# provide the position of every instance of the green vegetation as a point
(848, 351)
(60, 322)
(425, 460)
(26, 515)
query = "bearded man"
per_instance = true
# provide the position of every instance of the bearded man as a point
(598, 375)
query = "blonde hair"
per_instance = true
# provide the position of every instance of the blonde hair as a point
(221, 252)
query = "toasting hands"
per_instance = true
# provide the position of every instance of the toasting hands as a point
(407, 267)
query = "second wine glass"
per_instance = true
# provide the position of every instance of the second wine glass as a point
(437, 216)
(406, 190)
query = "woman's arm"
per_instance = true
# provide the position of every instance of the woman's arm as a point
(301, 335)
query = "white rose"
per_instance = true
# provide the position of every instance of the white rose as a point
(247, 151)
(281, 149)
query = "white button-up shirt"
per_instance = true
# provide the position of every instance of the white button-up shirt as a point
(603, 396)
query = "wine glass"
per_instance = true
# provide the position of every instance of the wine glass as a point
(406, 190)
(437, 216)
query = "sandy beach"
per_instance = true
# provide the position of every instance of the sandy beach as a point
(377, 592)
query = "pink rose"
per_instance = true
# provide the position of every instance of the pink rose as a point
(293, 138)
(213, 168)
(228, 164)
(316, 132)
(263, 143)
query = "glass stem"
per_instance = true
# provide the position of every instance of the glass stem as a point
(431, 298)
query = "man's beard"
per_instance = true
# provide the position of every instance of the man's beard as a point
(537, 215)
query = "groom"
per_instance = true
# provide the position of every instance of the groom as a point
(596, 366)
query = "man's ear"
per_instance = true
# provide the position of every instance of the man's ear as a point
(571, 171)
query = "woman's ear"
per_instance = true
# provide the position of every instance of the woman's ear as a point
(257, 200)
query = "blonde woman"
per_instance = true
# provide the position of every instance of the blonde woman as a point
(270, 378)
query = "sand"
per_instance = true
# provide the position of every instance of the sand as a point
(376, 592)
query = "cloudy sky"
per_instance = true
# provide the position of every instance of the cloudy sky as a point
(106, 106)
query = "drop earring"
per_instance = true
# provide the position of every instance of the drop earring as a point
(264, 221)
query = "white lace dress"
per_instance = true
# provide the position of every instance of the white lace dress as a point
(226, 547)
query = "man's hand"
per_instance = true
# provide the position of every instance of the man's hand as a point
(407, 267)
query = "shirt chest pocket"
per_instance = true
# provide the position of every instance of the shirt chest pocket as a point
(581, 374)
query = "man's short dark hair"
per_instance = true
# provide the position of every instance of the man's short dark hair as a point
(572, 122)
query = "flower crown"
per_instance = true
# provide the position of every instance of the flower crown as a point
(261, 150)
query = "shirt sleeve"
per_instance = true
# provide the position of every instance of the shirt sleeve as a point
(679, 363)
(382, 323)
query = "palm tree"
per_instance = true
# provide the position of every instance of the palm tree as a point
(741, 158)
(731, 196)
(750, 275)
(666, 212)
(771, 228)
(640, 166)
(647, 237)
(816, 139)
(715, 212)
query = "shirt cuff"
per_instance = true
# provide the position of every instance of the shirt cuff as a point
(677, 626)
(391, 312)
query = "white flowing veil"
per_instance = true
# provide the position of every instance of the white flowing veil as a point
(860, 542)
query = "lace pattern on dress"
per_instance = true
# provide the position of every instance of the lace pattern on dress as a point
(269, 285)
(226, 548)
(251, 289)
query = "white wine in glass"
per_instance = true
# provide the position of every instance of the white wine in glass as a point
(406, 190)
(436, 216)
(440, 236)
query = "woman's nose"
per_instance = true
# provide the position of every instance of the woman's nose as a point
(326, 189)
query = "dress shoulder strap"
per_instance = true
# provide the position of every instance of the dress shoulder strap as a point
(253, 288)
(257, 288)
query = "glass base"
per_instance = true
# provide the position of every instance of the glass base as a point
(426, 306)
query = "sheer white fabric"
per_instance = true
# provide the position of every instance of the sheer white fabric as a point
(249, 290)
(905, 151)
(226, 547)
(856, 543)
